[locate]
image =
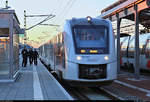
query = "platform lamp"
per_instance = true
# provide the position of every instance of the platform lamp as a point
(6, 4)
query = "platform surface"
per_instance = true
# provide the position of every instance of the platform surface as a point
(127, 87)
(33, 83)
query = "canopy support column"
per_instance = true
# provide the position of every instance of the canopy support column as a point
(118, 42)
(136, 55)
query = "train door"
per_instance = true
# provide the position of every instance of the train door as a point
(121, 53)
(142, 47)
(131, 50)
(63, 50)
(124, 51)
(59, 51)
(122, 40)
(147, 54)
(54, 53)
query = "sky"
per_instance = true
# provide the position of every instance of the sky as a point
(63, 9)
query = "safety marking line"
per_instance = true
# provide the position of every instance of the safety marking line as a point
(58, 84)
(36, 85)
(134, 87)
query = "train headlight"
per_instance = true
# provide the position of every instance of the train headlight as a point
(106, 58)
(89, 18)
(79, 57)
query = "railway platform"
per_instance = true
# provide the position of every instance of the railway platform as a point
(33, 83)
(126, 87)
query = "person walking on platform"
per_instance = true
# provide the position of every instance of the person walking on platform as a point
(24, 56)
(35, 56)
(30, 54)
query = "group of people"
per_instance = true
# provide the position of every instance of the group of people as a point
(32, 55)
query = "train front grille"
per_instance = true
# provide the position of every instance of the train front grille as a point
(92, 71)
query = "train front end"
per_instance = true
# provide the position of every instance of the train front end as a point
(90, 52)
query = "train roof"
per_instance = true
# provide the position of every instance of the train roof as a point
(142, 37)
(84, 21)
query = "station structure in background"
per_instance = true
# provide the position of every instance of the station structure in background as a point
(9, 45)
(135, 10)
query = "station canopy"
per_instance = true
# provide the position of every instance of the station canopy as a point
(125, 9)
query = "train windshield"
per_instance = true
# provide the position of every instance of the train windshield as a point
(90, 36)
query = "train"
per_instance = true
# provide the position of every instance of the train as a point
(127, 45)
(83, 54)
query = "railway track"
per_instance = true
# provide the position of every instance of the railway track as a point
(83, 93)
(73, 91)
(88, 93)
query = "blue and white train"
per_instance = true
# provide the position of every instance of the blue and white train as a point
(83, 53)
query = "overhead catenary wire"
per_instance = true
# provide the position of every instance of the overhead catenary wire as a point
(59, 5)
(36, 15)
(56, 7)
(46, 19)
(63, 10)
(49, 17)
(49, 24)
(69, 8)
(70, 2)
(53, 11)
(60, 10)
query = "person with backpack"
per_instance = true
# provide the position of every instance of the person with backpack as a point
(30, 54)
(24, 56)
(35, 56)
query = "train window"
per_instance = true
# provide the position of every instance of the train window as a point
(62, 39)
(148, 48)
(142, 44)
(90, 36)
(124, 46)
(131, 48)
(143, 49)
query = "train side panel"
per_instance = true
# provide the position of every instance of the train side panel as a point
(92, 63)
(128, 57)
